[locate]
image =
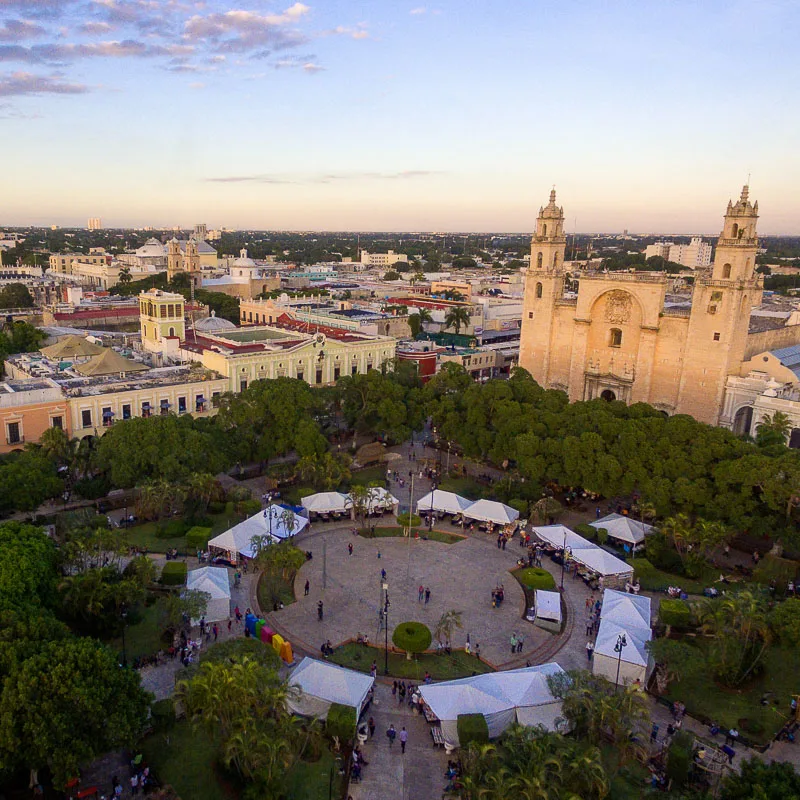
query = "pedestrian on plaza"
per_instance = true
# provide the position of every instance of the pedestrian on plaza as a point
(390, 734)
(383, 574)
(134, 784)
(513, 642)
(350, 548)
(520, 643)
(202, 625)
(597, 512)
(499, 545)
(394, 689)
(732, 736)
(319, 610)
(589, 626)
(403, 739)
(306, 589)
(237, 613)
(427, 594)
(589, 603)
(216, 631)
(589, 650)
(230, 622)
(654, 732)
(401, 693)
(504, 542)
(371, 726)
(421, 593)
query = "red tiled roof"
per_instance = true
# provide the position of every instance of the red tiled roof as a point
(339, 334)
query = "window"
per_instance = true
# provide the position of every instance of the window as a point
(530, 315)
(336, 373)
(354, 369)
(86, 418)
(615, 338)
(57, 422)
(146, 409)
(726, 271)
(163, 312)
(250, 316)
(243, 385)
(215, 399)
(13, 433)
(735, 230)
(181, 405)
(544, 230)
(538, 289)
(539, 260)
(716, 337)
(165, 407)
(319, 376)
(200, 400)
(300, 374)
(555, 259)
(126, 411)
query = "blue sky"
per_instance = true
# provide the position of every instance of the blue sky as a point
(456, 115)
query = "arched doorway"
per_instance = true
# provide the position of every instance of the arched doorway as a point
(794, 438)
(742, 421)
(608, 395)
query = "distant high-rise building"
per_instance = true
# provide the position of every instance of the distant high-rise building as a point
(695, 254)
(201, 232)
(94, 224)
(660, 249)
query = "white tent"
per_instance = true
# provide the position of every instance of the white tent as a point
(320, 684)
(326, 502)
(548, 610)
(239, 540)
(502, 697)
(585, 552)
(491, 511)
(214, 582)
(438, 500)
(560, 535)
(624, 529)
(629, 616)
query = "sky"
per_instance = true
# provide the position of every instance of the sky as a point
(458, 115)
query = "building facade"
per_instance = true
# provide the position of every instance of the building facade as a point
(27, 409)
(695, 254)
(382, 259)
(616, 339)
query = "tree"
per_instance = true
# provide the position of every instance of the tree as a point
(773, 430)
(392, 275)
(759, 780)
(360, 502)
(177, 610)
(457, 318)
(784, 620)
(27, 479)
(282, 559)
(15, 295)
(448, 622)
(413, 637)
(67, 704)
(27, 564)
(125, 275)
(675, 660)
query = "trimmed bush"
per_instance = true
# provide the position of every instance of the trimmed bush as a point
(173, 529)
(602, 535)
(518, 504)
(341, 722)
(409, 520)
(587, 531)
(472, 728)
(413, 637)
(676, 614)
(197, 538)
(250, 507)
(535, 578)
(174, 573)
(216, 507)
(163, 715)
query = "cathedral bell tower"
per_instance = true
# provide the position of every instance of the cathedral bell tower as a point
(737, 245)
(191, 262)
(174, 258)
(544, 286)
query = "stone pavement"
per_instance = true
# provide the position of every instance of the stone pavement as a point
(390, 775)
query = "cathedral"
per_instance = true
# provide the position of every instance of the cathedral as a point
(616, 338)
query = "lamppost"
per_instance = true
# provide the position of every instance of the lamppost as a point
(564, 553)
(449, 446)
(124, 615)
(430, 518)
(385, 587)
(621, 644)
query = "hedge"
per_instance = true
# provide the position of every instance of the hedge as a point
(535, 578)
(341, 722)
(413, 637)
(197, 538)
(587, 531)
(216, 507)
(174, 573)
(472, 728)
(250, 507)
(676, 614)
(171, 530)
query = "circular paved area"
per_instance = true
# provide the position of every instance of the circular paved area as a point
(461, 576)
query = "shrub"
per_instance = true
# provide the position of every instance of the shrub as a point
(679, 758)
(305, 491)
(171, 530)
(535, 578)
(93, 488)
(602, 535)
(587, 531)
(413, 637)
(197, 538)
(785, 622)
(174, 573)
(472, 728)
(341, 722)
(162, 713)
(250, 507)
(520, 505)
(676, 614)
(216, 507)
(408, 520)
(772, 568)
(663, 555)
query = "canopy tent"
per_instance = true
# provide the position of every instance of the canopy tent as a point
(624, 529)
(267, 525)
(502, 697)
(214, 582)
(491, 511)
(326, 503)
(381, 498)
(560, 535)
(629, 616)
(585, 552)
(439, 500)
(547, 606)
(72, 346)
(321, 684)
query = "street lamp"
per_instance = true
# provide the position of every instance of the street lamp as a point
(430, 518)
(622, 643)
(124, 615)
(564, 552)
(385, 587)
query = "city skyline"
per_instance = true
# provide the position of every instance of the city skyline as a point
(397, 117)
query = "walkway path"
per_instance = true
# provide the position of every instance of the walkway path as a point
(391, 775)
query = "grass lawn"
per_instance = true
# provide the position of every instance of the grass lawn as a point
(535, 578)
(441, 666)
(465, 486)
(311, 780)
(272, 587)
(143, 638)
(423, 533)
(375, 474)
(145, 535)
(185, 759)
(655, 580)
(729, 707)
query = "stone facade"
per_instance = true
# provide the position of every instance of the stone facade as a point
(615, 339)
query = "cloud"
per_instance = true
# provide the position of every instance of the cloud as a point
(418, 10)
(311, 68)
(326, 178)
(60, 53)
(14, 30)
(197, 85)
(358, 32)
(24, 83)
(95, 28)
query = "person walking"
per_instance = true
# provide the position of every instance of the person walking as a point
(383, 574)
(520, 642)
(427, 594)
(230, 622)
(403, 739)
(215, 628)
(589, 650)
(513, 642)
(350, 548)
(589, 625)
(319, 610)
(371, 726)
(306, 588)
(390, 734)
(421, 593)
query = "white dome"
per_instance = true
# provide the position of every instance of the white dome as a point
(243, 260)
(152, 247)
(213, 323)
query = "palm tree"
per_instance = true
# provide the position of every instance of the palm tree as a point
(359, 502)
(447, 623)
(125, 275)
(457, 317)
(776, 427)
(677, 529)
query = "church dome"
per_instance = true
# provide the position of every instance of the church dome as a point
(243, 260)
(213, 324)
(151, 248)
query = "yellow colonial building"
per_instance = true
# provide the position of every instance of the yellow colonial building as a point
(617, 338)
